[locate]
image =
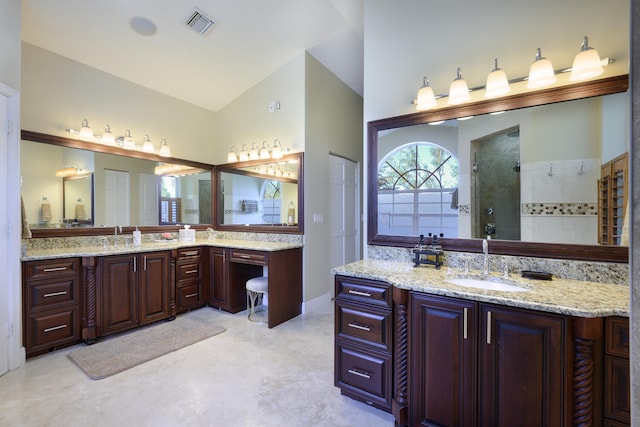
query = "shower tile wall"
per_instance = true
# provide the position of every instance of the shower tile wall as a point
(559, 201)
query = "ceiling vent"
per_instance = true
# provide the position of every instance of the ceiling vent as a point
(199, 22)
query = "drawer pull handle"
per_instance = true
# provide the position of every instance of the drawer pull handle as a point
(359, 293)
(360, 374)
(465, 315)
(191, 271)
(49, 270)
(54, 328)
(362, 328)
(488, 327)
(54, 294)
(191, 253)
(245, 256)
(191, 295)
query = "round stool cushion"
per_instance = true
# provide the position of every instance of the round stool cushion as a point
(258, 284)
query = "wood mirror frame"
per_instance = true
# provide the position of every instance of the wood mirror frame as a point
(82, 145)
(587, 89)
(242, 168)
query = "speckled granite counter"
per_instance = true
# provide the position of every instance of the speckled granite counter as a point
(80, 251)
(571, 297)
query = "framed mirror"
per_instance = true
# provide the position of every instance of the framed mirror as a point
(77, 199)
(130, 188)
(261, 195)
(464, 148)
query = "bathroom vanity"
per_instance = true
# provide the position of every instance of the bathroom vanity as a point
(84, 293)
(410, 342)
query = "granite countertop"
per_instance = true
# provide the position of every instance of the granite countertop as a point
(81, 251)
(570, 297)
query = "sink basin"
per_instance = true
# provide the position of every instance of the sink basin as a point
(487, 284)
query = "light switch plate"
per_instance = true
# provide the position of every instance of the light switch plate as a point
(318, 218)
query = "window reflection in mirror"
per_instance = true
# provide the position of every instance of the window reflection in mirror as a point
(77, 193)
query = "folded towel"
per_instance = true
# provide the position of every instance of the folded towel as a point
(80, 213)
(26, 231)
(46, 210)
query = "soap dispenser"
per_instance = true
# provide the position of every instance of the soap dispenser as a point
(137, 237)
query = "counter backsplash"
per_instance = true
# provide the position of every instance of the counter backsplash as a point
(591, 271)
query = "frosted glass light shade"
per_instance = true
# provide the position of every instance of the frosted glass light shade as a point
(586, 64)
(147, 145)
(244, 154)
(107, 137)
(497, 83)
(165, 151)
(232, 156)
(458, 91)
(128, 142)
(541, 73)
(85, 131)
(426, 98)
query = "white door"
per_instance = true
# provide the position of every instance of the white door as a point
(148, 190)
(5, 320)
(344, 198)
(116, 191)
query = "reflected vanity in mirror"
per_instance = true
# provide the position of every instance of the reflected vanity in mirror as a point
(109, 186)
(261, 195)
(542, 157)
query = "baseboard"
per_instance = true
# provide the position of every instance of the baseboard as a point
(321, 304)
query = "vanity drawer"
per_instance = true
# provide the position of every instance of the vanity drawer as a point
(365, 374)
(617, 336)
(367, 291)
(188, 254)
(248, 257)
(187, 271)
(188, 296)
(36, 270)
(368, 325)
(51, 293)
(50, 330)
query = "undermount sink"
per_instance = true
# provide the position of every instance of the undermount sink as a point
(489, 284)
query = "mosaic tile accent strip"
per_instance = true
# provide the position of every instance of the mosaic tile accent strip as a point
(464, 209)
(566, 209)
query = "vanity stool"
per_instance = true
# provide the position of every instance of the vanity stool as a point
(257, 290)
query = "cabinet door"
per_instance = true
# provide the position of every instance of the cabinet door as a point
(443, 361)
(119, 293)
(219, 290)
(522, 368)
(153, 273)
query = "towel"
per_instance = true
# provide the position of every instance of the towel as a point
(26, 231)
(454, 199)
(80, 213)
(46, 210)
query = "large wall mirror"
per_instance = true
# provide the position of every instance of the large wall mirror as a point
(523, 170)
(71, 187)
(261, 195)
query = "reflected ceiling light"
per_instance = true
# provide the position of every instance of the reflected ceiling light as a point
(85, 131)
(438, 122)
(232, 156)
(165, 150)
(107, 136)
(541, 73)
(465, 118)
(458, 91)
(426, 98)
(147, 145)
(244, 153)
(587, 63)
(497, 82)
(67, 171)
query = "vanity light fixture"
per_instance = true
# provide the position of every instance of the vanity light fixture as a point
(67, 171)
(85, 131)
(107, 137)
(458, 91)
(127, 141)
(232, 156)
(276, 151)
(264, 151)
(436, 123)
(497, 82)
(254, 153)
(426, 99)
(541, 73)
(147, 145)
(587, 63)
(165, 150)
(244, 153)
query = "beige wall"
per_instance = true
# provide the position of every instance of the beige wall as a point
(10, 11)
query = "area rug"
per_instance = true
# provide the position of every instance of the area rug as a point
(118, 353)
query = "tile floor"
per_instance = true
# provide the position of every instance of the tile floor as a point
(247, 376)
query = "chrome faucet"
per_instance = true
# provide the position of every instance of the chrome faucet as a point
(115, 235)
(485, 250)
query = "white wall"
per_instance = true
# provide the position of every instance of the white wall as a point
(10, 16)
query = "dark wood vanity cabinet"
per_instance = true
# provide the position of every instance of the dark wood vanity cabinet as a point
(134, 290)
(617, 394)
(189, 275)
(481, 364)
(364, 340)
(52, 304)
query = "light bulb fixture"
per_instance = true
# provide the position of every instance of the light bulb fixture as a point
(541, 73)
(165, 150)
(253, 153)
(244, 153)
(67, 171)
(232, 156)
(85, 131)
(426, 99)
(107, 136)
(127, 141)
(497, 82)
(458, 91)
(147, 145)
(586, 64)
(276, 151)
(264, 151)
